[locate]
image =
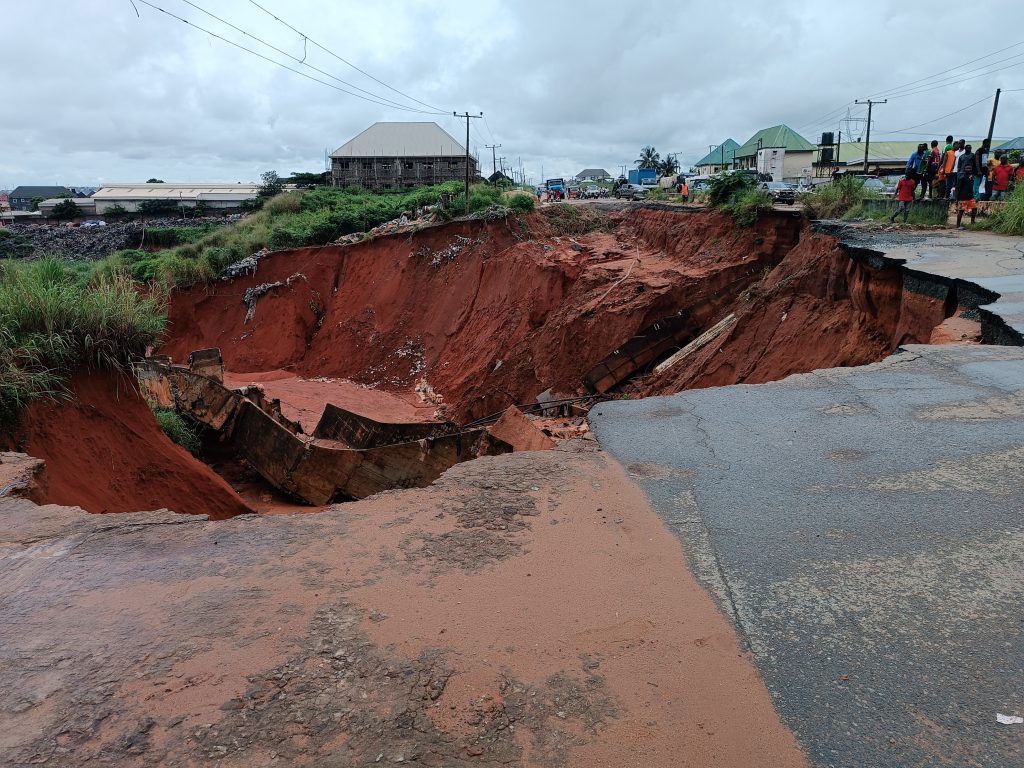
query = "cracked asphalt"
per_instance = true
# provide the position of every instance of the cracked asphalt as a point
(862, 529)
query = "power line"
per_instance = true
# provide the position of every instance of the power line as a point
(272, 61)
(955, 81)
(943, 117)
(346, 61)
(297, 59)
(958, 66)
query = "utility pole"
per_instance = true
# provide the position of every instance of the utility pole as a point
(867, 138)
(992, 125)
(467, 117)
(494, 163)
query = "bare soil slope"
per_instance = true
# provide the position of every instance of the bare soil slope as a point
(105, 452)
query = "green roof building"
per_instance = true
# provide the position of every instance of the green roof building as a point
(718, 159)
(779, 152)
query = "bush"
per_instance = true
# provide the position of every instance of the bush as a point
(1009, 218)
(65, 209)
(53, 321)
(13, 245)
(522, 203)
(115, 210)
(738, 195)
(833, 201)
(178, 429)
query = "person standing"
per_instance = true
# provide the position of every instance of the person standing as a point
(914, 162)
(1001, 176)
(979, 166)
(1018, 174)
(965, 194)
(948, 169)
(904, 197)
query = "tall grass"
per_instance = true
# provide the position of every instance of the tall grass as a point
(1009, 218)
(835, 200)
(289, 220)
(53, 321)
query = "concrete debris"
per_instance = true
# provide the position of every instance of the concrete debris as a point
(244, 267)
(253, 294)
(519, 431)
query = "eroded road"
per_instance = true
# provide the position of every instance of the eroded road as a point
(863, 528)
(529, 609)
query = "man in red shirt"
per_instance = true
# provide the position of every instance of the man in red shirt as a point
(1001, 176)
(904, 197)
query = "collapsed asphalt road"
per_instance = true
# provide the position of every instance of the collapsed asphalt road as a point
(862, 528)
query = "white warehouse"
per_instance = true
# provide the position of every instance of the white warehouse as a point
(129, 196)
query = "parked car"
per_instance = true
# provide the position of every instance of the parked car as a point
(698, 185)
(592, 191)
(875, 184)
(631, 192)
(94, 223)
(780, 191)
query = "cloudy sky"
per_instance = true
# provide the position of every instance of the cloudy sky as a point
(92, 92)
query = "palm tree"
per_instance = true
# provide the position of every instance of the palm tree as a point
(649, 158)
(669, 166)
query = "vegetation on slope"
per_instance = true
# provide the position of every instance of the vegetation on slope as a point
(1008, 219)
(53, 321)
(737, 194)
(288, 220)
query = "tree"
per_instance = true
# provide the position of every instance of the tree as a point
(649, 158)
(272, 184)
(65, 209)
(307, 180)
(115, 210)
(34, 203)
(155, 181)
(669, 166)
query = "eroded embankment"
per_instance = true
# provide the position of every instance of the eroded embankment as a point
(823, 306)
(104, 452)
(485, 314)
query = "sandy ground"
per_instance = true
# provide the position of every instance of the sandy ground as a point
(528, 609)
(303, 400)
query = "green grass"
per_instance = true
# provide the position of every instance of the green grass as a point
(835, 200)
(737, 194)
(1009, 218)
(168, 237)
(178, 429)
(53, 321)
(289, 220)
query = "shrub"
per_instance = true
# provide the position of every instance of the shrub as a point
(53, 321)
(65, 209)
(833, 201)
(726, 187)
(522, 203)
(1009, 218)
(738, 195)
(115, 210)
(178, 429)
(13, 245)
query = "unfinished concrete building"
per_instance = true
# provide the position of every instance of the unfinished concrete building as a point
(400, 156)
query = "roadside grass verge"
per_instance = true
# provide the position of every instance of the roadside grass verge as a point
(1009, 218)
(833, 201)
(289, 220)
(737, 194)
(53, 321)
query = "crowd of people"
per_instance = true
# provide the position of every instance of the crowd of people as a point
(958, 173)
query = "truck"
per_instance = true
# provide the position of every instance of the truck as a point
(647, 177)
(556, 188)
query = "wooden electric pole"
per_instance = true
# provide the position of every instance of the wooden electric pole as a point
(494, 162)
(992, 125)
(867, 138)
(467, 116)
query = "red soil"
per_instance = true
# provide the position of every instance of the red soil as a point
(104, 452)
(487, 314)
(817, 309)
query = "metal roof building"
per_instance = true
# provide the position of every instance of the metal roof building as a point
(214, 195)
(400, 155)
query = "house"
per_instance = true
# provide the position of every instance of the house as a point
(779, 152)
(5, 201)
(593, 174)
(21, 197)
(400, 156)
(86, 205)
(130, 196)
(718, 159)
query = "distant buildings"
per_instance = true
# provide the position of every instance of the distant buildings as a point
(21, 197)
(593, 174)
(400, 156)
(86, 205)
(132, 197)
(718, 159)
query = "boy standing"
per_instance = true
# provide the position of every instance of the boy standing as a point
(965, 196)
(904, 197)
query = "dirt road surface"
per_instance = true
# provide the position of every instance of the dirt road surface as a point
(528, 609)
